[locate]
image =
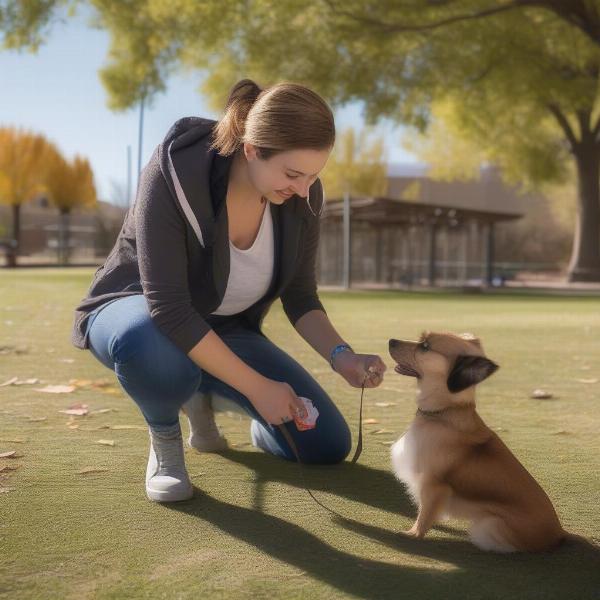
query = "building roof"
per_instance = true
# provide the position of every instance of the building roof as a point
(389, 211)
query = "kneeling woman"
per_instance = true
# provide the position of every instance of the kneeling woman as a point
(226, 220)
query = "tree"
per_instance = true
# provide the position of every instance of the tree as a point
(21, 174)
(68, 185)
(356, 165)
(522, 75)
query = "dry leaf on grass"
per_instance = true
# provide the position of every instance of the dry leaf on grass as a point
(385, 404)
(56, 389)
(87, 470)
(101, 411)
(9, 468)
(10, 454)
(388, 443)
(17, 381)
(541, 395)
(380, 431)
(66, 360)
(106, 442)
(561, 432)
(77, 409)
(592, 380)
(13, 441)
(370, 421)
(36, 419)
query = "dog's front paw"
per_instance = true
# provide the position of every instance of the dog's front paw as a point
(414, 532)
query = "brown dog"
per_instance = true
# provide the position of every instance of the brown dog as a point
(453, 464)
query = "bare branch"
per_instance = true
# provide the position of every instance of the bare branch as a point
(383, 27)
(564, 124)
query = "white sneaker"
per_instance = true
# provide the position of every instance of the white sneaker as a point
(166, 477)
(204, 433)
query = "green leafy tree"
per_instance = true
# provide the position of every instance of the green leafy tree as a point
(357, 166)
(520, 76)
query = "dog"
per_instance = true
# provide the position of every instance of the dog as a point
(453, 464)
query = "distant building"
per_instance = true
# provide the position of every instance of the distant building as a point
(92, 231)
(421, 232)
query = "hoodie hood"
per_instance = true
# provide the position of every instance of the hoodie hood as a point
(187, 165)
(197, 176)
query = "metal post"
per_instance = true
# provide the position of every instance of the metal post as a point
(347, 271)
(432, 247)
(129, 175)
(140, 136)
(489, 254)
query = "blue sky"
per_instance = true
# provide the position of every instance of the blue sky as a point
(57, 92)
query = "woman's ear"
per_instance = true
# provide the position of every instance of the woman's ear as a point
(468, 371)
(250, 151)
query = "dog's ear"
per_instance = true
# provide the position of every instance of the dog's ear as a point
(468, 371)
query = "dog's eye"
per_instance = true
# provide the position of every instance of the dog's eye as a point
(424, 346)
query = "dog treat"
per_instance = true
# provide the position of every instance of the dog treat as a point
(310, 421)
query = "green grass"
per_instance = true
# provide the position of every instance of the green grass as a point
(251, 530)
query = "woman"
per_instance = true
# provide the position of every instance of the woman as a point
(226, 220)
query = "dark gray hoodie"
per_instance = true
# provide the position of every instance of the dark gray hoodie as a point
(173, 246)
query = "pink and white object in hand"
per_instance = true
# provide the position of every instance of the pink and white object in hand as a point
(310, 421)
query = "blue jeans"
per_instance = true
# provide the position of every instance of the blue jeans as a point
(160, 378)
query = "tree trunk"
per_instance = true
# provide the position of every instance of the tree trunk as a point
(585, 259)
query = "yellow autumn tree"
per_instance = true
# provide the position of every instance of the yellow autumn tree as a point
(356, 165)
(22, 155)
(67, 184)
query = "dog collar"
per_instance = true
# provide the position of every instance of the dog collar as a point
(431, 413)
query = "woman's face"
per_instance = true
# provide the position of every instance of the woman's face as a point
(281, 176)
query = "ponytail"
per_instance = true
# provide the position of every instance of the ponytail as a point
(229, 131)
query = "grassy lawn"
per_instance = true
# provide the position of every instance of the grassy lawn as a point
(251, 530)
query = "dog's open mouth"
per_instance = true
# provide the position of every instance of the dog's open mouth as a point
(406, 370)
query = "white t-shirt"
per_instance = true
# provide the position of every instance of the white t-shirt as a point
(250, 271)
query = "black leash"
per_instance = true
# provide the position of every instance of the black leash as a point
(292, 444)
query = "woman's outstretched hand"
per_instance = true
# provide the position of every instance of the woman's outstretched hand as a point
(354, 368)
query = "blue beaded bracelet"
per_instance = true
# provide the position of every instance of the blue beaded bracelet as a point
(339, 348)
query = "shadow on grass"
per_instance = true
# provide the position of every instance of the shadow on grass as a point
(572, 571)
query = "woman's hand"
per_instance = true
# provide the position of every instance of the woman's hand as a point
(355, 367)
(276, 402)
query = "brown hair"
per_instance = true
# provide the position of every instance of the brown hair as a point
(285, 116)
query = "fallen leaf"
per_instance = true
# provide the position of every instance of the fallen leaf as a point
(140, 427)
(87, 470)
(78, 409)
(100, 383)
(370, 421)
(9, 382)
(13, 441)
(9, 468)
(541, 394)
(31, 381)
(80, 382)
(106, 442)
(9, 454)
(100, 411)
(66, 360)
(380, 431)
(389, 443)
(561, 432)
(56, 389)
(37, 419)
(385, 404)
(593, 380)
